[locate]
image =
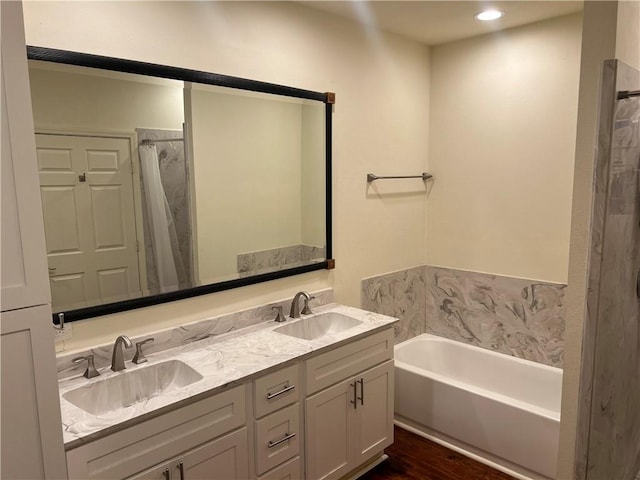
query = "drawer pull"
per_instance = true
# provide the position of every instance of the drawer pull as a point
(286, 389)
(288, 436)
(355, 394)
(361, 397)
(166, 474)
(181, 468)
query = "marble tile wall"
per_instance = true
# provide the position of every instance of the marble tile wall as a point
(399, 294)
(185, 334)
(514, 316)
(312, 252)
(264, 261)
(174, 176)
(608, 440)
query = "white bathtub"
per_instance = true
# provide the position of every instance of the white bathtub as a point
(498, 409)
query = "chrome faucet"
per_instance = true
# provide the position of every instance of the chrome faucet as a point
(295, 305)
(117, 358)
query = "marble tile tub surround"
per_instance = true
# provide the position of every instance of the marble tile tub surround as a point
(237, 356)
(185, 334)
(400, 294)
(515, 316)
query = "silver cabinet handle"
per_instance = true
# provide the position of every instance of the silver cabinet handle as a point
(355, 395)
(181, 469)
(166, 474)
(288, 436)
(361, 397)
(286, 389)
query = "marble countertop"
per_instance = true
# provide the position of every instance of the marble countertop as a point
(221, 360)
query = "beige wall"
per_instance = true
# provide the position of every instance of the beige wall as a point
(502, 129)
(247, 173)
(381, 83)
(628, 33)
(93, 104)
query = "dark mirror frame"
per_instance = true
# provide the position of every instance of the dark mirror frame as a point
(175, 73)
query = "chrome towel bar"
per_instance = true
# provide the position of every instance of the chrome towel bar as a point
(425, 176)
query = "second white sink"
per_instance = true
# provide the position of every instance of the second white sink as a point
(318, 326)
(132, 386)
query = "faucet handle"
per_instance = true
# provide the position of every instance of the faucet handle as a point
(279, 316)
(139, 356)
(306, 310)
(91, 371)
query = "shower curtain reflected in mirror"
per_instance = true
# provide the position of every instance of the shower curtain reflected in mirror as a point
(174, 179)
(165, 268)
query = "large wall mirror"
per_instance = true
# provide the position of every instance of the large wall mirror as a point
(160, 183)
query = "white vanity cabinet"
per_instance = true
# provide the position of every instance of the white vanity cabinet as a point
(206, 439)
(320, 417)
(31, 440)
(349, 410)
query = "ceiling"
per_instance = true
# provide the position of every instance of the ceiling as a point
(436, 22)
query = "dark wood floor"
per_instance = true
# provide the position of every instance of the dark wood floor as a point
(412, 457)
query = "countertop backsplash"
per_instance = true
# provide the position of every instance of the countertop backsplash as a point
(184, 334)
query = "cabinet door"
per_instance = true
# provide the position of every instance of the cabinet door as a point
(226, 458)
(31, 440)
(374, 425)
(328, 431)
(24, 265)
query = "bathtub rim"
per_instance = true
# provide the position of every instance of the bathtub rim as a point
(467, 345)
(519, 404)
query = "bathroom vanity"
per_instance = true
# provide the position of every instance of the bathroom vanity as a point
(271, 401)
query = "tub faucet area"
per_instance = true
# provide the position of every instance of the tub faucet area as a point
(117, 357)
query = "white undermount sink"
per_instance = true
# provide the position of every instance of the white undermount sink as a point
(312, 328)
(132, 386)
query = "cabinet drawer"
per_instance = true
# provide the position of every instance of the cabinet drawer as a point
(331, 367)
(289, 471)
(271, 448)
(276, 390)
(152, 442)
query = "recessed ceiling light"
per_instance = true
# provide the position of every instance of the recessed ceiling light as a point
(487, 15)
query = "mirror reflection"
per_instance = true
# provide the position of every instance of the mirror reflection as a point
(151, 185)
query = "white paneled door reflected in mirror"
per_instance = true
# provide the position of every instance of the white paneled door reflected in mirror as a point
(162, 183)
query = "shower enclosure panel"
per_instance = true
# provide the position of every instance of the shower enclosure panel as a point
(611, 362)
